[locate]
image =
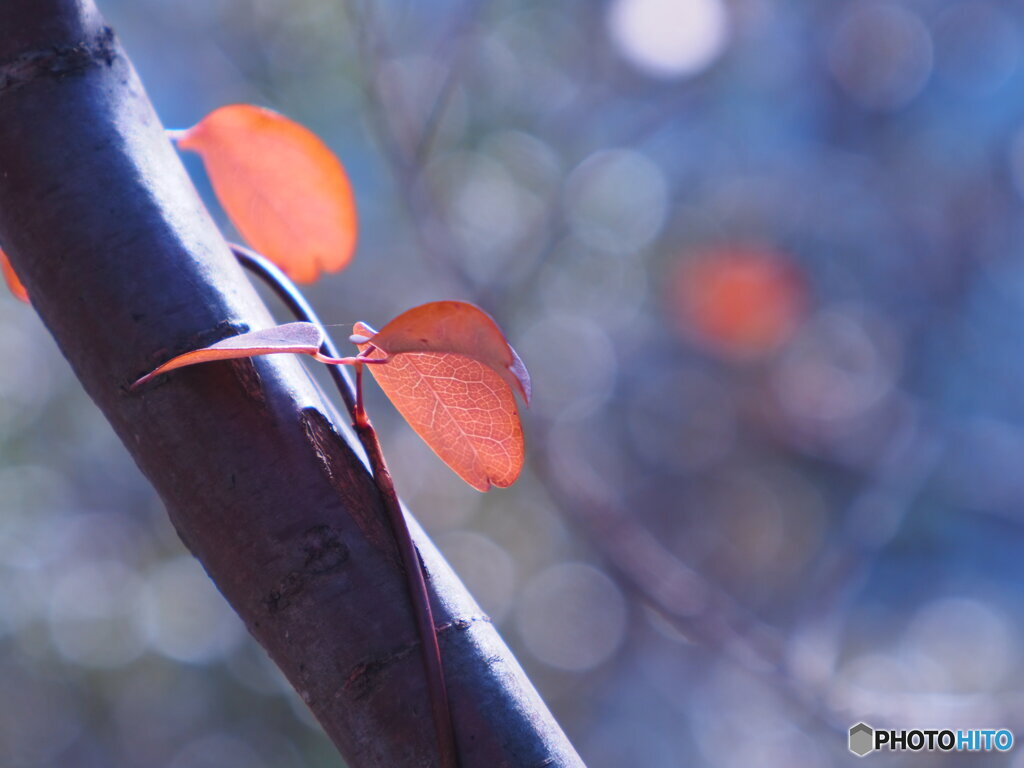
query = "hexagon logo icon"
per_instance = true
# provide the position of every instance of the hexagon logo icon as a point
(862, 739)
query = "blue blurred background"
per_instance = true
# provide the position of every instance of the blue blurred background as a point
(765, 261)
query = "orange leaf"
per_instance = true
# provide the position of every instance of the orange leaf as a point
(459, 328)
(296, 338)
(281, 187)
(461, 406)
(12, 279)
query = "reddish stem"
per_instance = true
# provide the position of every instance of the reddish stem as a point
(411, 564)
(415, 582)
(359, 417)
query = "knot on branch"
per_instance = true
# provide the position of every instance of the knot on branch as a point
(324, 552)
(59, 61)
(364, 678)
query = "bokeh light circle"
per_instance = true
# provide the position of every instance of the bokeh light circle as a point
(90, 616)
(669, 38)
(616, 200)
(571, 616)
(184, 616)
(880, 54)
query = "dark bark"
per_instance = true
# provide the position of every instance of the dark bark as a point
(126, 269)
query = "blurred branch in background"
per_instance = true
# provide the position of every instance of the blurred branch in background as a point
(404, 144)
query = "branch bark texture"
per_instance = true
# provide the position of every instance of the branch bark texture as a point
(126, 268)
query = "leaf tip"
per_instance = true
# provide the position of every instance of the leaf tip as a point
(13, 283)
(139, 382)
(522, 376)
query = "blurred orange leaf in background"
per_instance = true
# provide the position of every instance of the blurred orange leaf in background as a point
(295, 338)
(283, 189)
(738, 301)
(12, 279)
(452, 376)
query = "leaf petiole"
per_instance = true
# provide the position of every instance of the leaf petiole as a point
(358, 360)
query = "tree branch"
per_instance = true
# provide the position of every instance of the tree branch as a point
(126, 269)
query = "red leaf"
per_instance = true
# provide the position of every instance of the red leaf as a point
(455, 399)
(13, 283)
(281, 187)
(459, 328)
(296, 338)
